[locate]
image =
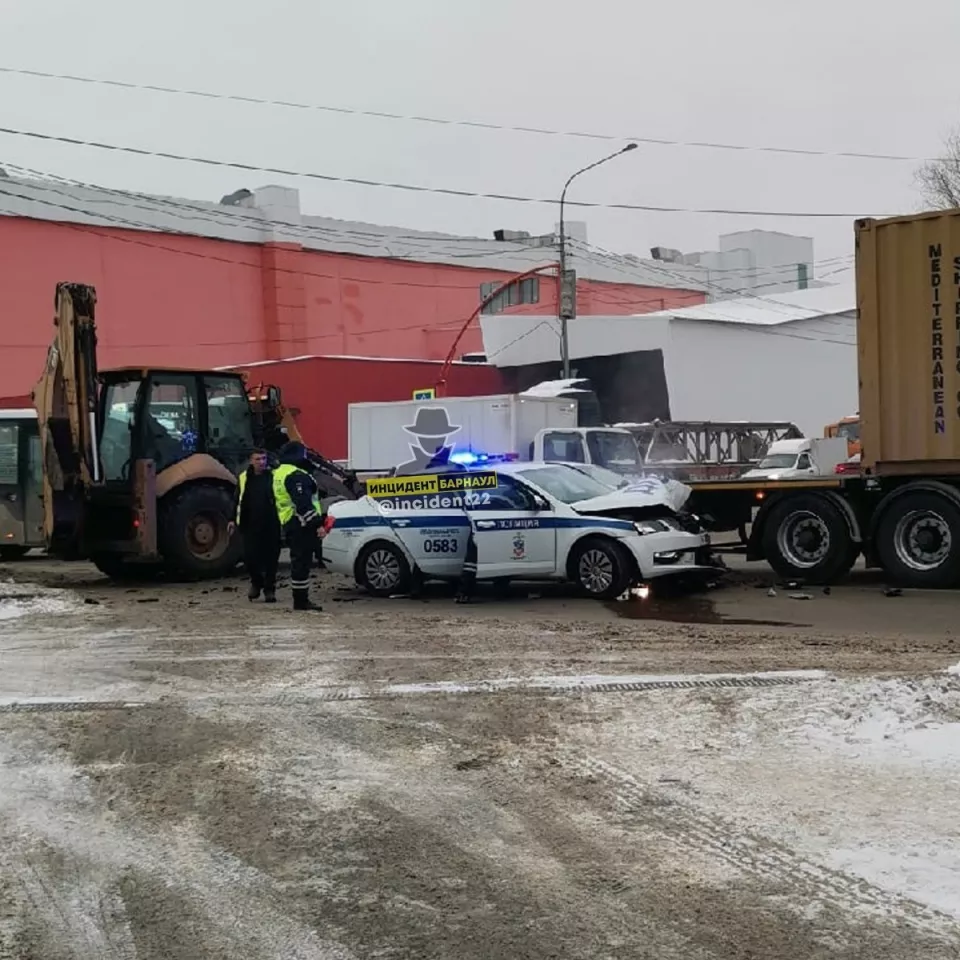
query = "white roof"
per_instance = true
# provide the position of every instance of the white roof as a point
(516, 340)
(553, 388)
(799, 445)
(20, 414)
(765, 311)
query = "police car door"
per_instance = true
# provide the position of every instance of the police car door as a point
(433, 527)
(436, 539)
(513, 539)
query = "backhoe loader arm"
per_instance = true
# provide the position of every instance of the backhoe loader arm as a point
(66, 399)
(275, 425)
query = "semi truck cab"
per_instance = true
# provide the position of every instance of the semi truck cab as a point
(608, 447)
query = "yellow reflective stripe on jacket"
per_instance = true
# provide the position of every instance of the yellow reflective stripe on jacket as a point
(241, 486)
(286, 510)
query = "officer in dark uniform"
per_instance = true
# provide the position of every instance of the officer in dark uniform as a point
(299, 512)
(467, 584)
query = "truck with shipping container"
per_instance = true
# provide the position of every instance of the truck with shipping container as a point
(901, 511)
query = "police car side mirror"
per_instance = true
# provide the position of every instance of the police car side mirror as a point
(539, 503)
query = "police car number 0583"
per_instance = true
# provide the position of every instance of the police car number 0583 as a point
(444, 545)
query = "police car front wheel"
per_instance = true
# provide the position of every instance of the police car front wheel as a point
(382, 569)
(602, 568)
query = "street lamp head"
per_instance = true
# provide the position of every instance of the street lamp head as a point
(629, 147)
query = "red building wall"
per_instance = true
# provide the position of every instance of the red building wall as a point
(166, 299)
(321, 388)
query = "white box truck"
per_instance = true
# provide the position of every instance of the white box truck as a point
(381, 436)
(800, 458)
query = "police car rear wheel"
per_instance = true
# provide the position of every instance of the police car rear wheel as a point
(382, 570)
(602, 568)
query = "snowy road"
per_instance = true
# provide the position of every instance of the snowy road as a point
(187, 775)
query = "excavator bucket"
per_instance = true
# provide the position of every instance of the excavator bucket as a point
(66, 398)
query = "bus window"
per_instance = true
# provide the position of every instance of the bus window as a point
(9, 453)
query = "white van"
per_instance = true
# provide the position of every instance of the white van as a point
(796, 459)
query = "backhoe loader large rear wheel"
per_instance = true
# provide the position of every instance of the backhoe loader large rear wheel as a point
(193, 532)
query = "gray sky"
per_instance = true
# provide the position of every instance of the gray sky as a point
(830, 75)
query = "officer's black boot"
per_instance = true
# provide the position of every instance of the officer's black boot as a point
(302, 601)
(269, 595)
(254, 591)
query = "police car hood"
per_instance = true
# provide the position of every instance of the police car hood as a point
(639, 494)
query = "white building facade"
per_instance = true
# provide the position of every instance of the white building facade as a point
(789, 357)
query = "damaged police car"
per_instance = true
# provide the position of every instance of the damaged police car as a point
(531, 521)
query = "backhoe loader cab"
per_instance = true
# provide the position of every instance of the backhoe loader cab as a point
(171, 444)
(140, 464)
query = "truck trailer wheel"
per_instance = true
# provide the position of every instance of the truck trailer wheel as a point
(805, 537)
(193, 535)
(918, 540)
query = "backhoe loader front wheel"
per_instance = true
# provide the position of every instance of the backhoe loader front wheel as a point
(193, 533)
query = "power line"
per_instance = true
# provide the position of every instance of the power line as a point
(123, 223)
(300, 272)
(235, 262)
(222, 217)
(207, 215)
(609, 259)
(419, 188)
(475, 124)
(745, 293)
(765, 268)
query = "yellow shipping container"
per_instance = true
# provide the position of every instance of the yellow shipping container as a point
(908, 342)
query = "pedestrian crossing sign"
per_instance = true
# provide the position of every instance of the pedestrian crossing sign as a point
(428, 393)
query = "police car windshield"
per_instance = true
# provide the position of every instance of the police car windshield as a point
(566, 484)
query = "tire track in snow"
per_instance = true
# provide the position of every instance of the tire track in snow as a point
(800, 879)
(64, 859)
(556, 685)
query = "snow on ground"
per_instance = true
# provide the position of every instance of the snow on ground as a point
(20, 600)
(860, 774)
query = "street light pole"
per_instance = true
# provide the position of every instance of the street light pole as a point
(569, 312)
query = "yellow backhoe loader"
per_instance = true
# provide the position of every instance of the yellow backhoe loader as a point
(140, 465)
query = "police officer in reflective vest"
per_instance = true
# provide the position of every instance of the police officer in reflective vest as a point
(299, 511)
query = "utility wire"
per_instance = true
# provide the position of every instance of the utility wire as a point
(726, 293)
(232, 261)
(608, 259)
(227, 218)
(783, 265)
(419, 188)
(475, 124)
(204, 214)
